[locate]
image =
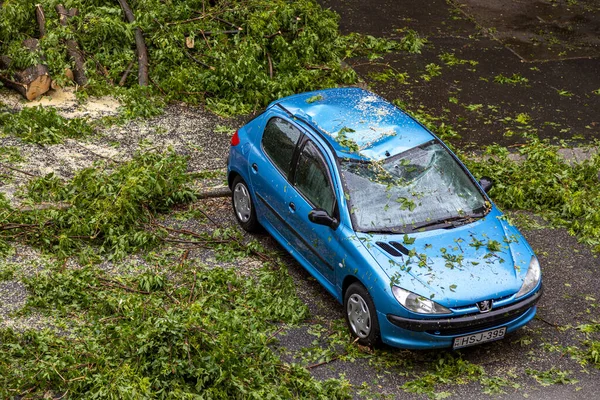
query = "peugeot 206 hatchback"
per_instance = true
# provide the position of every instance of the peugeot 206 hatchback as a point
(386, 218)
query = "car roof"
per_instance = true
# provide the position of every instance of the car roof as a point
(357, 123)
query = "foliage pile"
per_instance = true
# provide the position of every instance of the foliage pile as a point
(234, 55)
(201, 335)
(545, 183)
(104, 207)
(149, 334)
(42, 125)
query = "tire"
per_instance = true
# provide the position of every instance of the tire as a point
(361, 315)
(243, 207)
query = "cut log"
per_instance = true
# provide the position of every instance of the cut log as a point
(31, 82)
(72, 47)
(140, 45)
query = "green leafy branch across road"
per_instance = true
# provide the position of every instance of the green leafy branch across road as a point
(100, 211)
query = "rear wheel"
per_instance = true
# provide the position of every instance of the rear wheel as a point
(243, 207)
(361, 315)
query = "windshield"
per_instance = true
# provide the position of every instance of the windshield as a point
(417, 188)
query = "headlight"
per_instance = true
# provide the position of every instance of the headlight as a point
(416, 303)
(531, 279)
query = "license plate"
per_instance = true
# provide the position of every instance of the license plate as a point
(478, 338)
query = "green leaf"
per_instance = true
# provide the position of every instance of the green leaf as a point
(408, 240)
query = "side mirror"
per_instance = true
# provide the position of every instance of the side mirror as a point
(321, 217)
(486, 183)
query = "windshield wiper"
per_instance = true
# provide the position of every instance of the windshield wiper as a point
(386, 231)
(451, 222)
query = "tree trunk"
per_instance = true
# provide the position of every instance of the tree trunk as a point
(72, 47)
(140, 46)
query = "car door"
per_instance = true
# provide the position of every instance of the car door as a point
(313, 188)
(270, 166)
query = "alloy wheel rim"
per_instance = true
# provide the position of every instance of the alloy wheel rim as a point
(241, 202)
(359, 316)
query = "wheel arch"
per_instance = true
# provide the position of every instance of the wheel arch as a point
(231, 177)
(349, 280)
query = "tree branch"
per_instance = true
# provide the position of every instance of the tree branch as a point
(72, 47)
(18, 170)
(126, 74)
(140, 45)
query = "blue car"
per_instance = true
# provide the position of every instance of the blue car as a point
(386, 218)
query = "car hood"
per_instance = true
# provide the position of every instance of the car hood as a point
(483, 260)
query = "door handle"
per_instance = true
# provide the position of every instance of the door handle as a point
(292, 206)
(255, 167)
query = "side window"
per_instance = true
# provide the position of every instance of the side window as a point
(279, 141)
(312, 179)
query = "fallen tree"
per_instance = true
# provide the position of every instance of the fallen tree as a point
(234, 56)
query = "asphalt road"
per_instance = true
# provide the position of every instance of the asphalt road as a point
(562, 70)
(566, 63)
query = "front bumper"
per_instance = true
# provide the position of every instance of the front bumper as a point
(440, 332)
(468, 323)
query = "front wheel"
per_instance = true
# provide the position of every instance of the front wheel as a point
(243, 206)
(361, 315)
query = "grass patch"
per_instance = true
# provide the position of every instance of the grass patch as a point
(10, 154)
